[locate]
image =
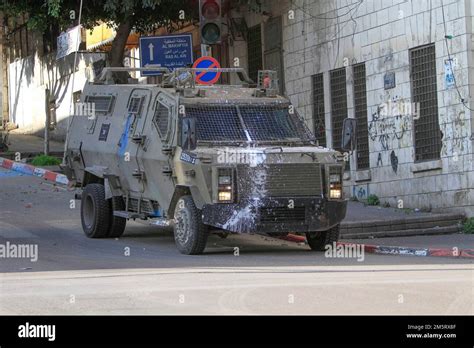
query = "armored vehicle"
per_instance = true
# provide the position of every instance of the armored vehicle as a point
(208, 159)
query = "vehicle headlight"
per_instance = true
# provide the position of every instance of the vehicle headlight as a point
(225, 191)
(335, 183)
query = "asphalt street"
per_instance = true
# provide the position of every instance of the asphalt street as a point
(143, 273)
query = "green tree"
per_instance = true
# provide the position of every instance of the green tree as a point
(124, 15)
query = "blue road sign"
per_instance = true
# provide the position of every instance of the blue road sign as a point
(171, 51)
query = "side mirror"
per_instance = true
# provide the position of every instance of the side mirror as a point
(349, 135)
(188, 140)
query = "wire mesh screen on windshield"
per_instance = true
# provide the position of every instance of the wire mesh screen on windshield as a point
(262, 122)
(269, 123)
(216, 122)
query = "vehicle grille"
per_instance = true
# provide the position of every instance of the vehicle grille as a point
(280, 180)
(282, 214)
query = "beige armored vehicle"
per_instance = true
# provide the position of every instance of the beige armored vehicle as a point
(208, 159)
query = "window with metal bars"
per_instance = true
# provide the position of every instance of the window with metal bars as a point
(273, 123)
(216, 122)
(135, 105)
(319, 125)
(254, 49)
(338, 104)
(102, 104)
(161, 118)
(269, 123)
(360, 110)
(425, 94)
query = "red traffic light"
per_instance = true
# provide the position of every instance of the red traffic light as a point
(210, 9)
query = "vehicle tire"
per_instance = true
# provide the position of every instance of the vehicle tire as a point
(117, 224)
(318, 240)
(190, 234)
(95, 211)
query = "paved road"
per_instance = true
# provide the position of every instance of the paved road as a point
(142, 273)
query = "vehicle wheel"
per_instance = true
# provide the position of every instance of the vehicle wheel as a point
(95, 211)
(117, 224)
(190, 234)
(318, 240)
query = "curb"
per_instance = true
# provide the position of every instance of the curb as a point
(34, 171)
(398, 250)
(404, 233)
(429, 224)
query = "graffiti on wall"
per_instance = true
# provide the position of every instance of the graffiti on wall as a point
(379, 160)
(391, 123)
(455, 130)
(394, 161)
(360, 192)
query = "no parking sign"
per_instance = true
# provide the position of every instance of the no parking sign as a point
(207, 77)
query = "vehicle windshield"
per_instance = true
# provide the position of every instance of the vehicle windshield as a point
(248, 123)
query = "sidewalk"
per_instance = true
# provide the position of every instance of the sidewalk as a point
(358, 211)
(31, 144)
(364, 221)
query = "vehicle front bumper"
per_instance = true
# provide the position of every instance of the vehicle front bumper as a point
(307, 215)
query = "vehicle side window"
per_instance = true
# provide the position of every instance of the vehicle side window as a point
(102, 104)
(161, 119)
(135, 105)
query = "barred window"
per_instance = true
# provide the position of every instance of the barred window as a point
(271, 123)
(360, 108)
(425, 94)
(135, 105)
(161, 119)
(216, 122)
(102, 104)
(338, 105)
(254, 49)
(319, 125)
(267, 123)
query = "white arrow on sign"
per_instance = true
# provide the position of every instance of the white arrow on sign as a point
(150, 46)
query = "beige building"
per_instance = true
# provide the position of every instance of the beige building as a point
(399, 67)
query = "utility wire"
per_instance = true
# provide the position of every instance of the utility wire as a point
(352, 11)
(338, 16)
(463, 101)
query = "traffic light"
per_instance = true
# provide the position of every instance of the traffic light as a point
(210, 21)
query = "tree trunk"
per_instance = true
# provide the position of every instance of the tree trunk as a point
(117, 51)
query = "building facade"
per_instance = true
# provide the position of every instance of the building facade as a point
(402, 68)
